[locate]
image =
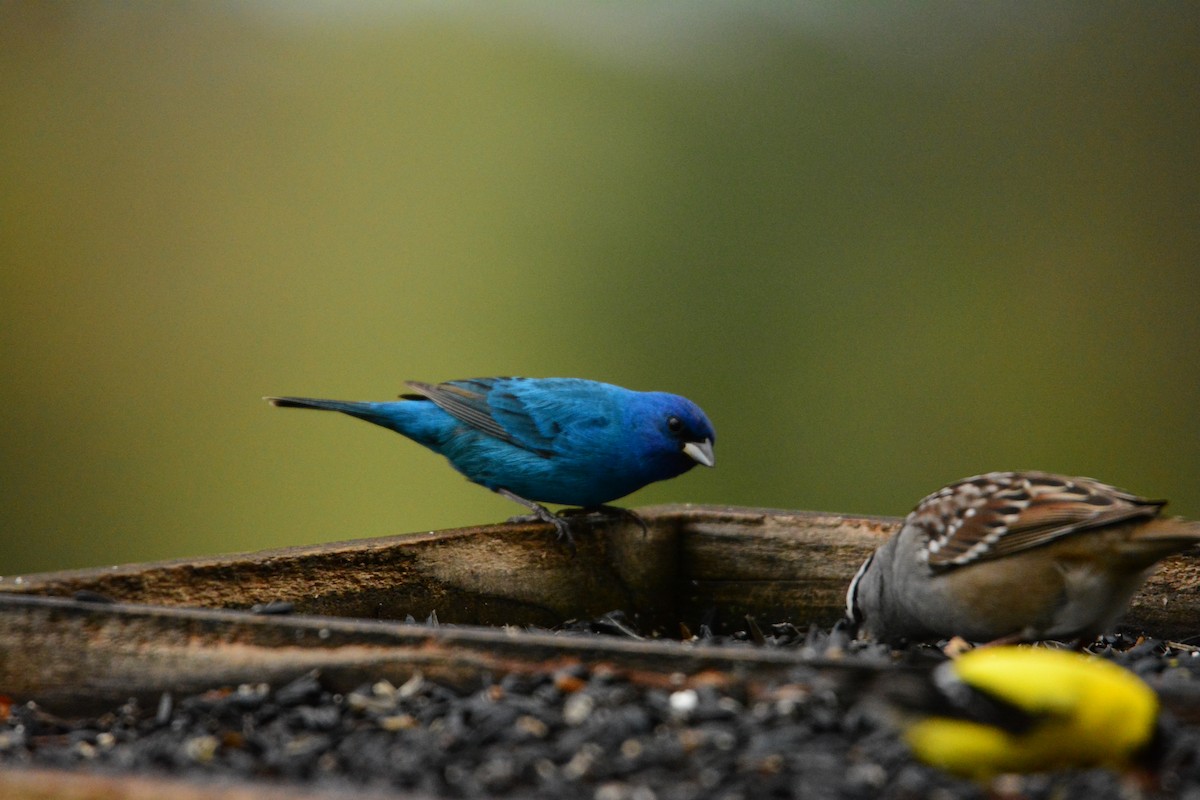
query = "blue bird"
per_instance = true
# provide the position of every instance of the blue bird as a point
(567, 441)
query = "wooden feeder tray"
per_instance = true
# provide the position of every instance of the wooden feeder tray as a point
(185, 626)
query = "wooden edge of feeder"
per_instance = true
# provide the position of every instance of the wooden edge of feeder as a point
(514, 573)
(71, 656)
(672, 572)
(772, 564)
(51, 784)
(732, 520)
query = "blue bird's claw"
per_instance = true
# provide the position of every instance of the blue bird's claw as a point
(563, 529)
(543, 514)
(609, 512)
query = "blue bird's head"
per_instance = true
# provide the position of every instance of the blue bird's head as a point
(674, 434)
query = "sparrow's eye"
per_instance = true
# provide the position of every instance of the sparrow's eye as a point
(674, 424)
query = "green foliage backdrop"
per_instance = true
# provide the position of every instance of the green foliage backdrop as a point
(884, 245)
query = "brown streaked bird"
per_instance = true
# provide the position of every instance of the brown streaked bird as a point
(1014, 556)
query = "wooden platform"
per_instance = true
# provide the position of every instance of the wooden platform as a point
(185, 625)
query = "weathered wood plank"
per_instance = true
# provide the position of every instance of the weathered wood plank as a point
(49, 784)
(178, 627)
(71, 656)
(696, 564)
(773, 565)
(513, 574)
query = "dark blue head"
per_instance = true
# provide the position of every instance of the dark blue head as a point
(673, 434)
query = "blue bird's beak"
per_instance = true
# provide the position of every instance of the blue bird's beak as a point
(702, 452)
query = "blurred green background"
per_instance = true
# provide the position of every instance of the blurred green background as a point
(884, 246)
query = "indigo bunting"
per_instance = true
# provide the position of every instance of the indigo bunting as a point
(568, 441)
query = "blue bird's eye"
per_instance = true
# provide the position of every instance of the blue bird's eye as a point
(674, 424)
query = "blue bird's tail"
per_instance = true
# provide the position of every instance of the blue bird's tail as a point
(362, 410)
(396, 415)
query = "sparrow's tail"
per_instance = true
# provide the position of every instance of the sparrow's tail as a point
(1158, 538)
(1169, 529)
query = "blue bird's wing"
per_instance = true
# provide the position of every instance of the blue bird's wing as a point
(514, 410)
(466, 401)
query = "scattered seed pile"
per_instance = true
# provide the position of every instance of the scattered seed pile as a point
(570, 734)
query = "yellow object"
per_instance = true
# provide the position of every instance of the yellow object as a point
(1082, 711)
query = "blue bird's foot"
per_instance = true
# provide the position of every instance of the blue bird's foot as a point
(610, 512)
(541, 514)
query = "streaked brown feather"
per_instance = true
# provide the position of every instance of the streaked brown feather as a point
(1001, 513)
